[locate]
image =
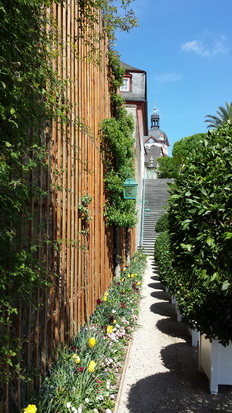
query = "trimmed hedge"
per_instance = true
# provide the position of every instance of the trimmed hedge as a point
(162, 257)
(200, 215)
(162, 224)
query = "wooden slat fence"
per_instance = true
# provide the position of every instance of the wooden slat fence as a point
(79, 266)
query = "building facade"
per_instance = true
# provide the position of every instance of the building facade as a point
(134, 91)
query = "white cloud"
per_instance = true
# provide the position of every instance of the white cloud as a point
(168, 77)
(219, 46)
(195, 46)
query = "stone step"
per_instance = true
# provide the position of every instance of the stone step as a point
(156, 197)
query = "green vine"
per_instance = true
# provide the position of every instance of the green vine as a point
(32, 94)
(118, 149)
(27, 100)
(84, 210)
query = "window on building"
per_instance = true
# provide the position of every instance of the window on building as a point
(126, 86)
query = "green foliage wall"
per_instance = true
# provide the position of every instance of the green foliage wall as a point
(119, 155)
(162, 256)
(32, 95)
(119, 159)
(26, 102)
(201, 235)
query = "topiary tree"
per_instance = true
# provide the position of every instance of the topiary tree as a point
(162, 257)
(185, 146)
(200, 209)
(162, 224)
(168, 167)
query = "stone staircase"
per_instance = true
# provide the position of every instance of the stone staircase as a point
(156, 196)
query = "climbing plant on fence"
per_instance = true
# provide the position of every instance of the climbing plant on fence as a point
(119, 156)
(118, 153)
(28, 87)
(201, 235)
(32, 97)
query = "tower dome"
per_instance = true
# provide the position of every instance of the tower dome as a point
(155, 130)
(155, 119)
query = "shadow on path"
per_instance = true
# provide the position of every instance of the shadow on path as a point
(186, 392)
(182, 389)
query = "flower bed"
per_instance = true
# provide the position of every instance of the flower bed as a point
(85, 379)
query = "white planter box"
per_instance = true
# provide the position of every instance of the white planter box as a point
(216, 361)
(173, 299)
(195, 336)
(178, 313)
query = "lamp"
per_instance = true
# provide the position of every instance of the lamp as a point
(130, 189)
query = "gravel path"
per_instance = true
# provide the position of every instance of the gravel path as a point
(161, 373)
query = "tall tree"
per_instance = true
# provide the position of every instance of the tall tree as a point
(224, 114)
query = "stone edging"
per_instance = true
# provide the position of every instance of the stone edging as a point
(122, 378)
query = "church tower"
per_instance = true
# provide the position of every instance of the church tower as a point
(156, 145)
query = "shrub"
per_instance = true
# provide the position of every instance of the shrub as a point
(168, 167)
(162, 224)
(162, 257)
(201, 239)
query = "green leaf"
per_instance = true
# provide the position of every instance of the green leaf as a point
(210, 241)
(185, 223)
(227, 235)
(187, 247)
(225, 285)
(215, 277)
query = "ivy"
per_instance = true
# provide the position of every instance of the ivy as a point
(118, 150)
(25, 106)
(32, 94)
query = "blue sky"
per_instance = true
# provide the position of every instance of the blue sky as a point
(185, 46)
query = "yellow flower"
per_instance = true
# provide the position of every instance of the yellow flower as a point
(123, 279)
(105, 298)
(138, 283)
(92, 342)
(132, 275)
(129, 275)
(92, 366)
(31, 408)
(109, 329)
(76, 358)
(114, 321)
